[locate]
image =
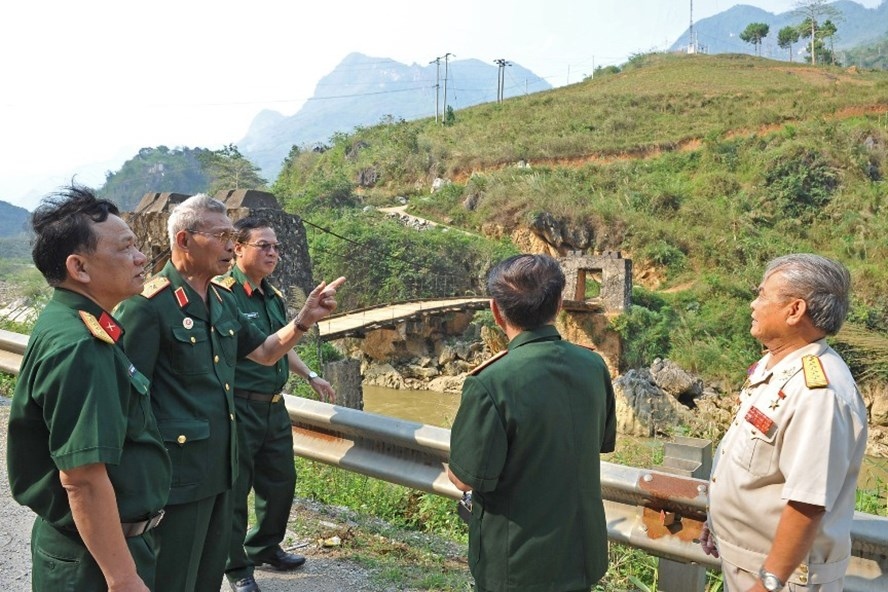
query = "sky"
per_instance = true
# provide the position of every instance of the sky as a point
(84, 85)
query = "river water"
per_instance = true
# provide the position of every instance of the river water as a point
(439, 409)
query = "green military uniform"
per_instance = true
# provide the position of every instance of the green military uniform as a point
(79, 401)
(527, 438)
(265, 437)
(189, 349)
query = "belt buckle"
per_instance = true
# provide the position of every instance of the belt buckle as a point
(276, 398)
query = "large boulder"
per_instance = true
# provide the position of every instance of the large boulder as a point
(645, 409)
(676, 382)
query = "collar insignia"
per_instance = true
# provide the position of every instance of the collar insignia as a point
(181, 297)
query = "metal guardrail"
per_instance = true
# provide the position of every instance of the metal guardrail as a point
(658, 512)
(12, 346)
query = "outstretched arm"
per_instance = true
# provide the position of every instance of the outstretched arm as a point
(319, 304)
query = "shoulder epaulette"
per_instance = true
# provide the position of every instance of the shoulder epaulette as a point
(154, 286)
(224, 282)
(477, 370)
(278, 292)
(815, 375)
(92, 323)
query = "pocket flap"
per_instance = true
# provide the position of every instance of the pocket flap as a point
(184, 335)
(181, 431)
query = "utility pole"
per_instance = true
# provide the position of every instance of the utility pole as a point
(692, 47)
(437, 62)
(446, 70)
(501, 78)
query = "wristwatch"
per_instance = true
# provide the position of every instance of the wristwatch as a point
(771, 582)
(312, 375)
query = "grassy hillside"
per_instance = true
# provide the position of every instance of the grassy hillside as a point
(699, 168)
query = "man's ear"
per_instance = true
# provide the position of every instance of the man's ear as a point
(497, 314)
(183, 239)
(76, 266)
(797, 310)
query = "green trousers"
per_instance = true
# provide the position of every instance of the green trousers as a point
(265, 449)
(61, 563)
(192, 542)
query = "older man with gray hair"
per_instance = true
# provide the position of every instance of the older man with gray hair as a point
(783, 486)
(184, 332)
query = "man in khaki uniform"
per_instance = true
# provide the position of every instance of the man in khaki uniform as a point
(783, 486)
(84, 450)
(265, 435)
(185, 334)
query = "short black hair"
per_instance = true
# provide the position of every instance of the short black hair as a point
(527, 289)
(245, 226)
(62, 225)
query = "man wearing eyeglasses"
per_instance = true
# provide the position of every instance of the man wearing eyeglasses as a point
(265, 437)
(185, 333)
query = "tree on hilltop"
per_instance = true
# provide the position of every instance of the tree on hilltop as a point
(813, 12)
(754, 33)
(229, 169)
(786, 37)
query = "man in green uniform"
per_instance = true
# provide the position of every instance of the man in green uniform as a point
(526, 440)
(186, 334)
(84, 450)
(265, 437)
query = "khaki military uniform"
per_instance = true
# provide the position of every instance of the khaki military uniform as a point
(527, 438)
(79, 401)
(265, 436)
(189, 350)
(799, 435)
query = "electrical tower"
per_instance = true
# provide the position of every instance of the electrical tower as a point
(501, 78)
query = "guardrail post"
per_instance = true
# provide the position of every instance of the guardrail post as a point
(689, 457)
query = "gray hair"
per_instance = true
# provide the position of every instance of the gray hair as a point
(188, 215)
(824, 285)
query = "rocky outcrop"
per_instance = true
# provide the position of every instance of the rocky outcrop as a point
(644, 408)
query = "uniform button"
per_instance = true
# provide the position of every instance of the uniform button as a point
(193, 340)
(803, 568)
(226, 386)
(181, 439)
(216, 359)
(212, 329)
(803, 579)
(231, 331)
(231, 415)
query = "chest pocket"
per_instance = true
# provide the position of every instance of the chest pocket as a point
(191, 350)
(227, 334)
(756, 452)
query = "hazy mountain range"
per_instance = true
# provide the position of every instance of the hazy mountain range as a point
(721, 33)
(362, 90)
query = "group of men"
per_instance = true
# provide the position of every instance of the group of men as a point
(145, 412)
(532, 422)
(144, 415)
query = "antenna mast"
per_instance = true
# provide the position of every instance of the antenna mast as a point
(692, 46)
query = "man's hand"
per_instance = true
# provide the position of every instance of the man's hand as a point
(707, 542)
(323, 389)
(320, 303)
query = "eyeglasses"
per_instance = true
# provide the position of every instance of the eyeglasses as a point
(265, 247)
(222, 236)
